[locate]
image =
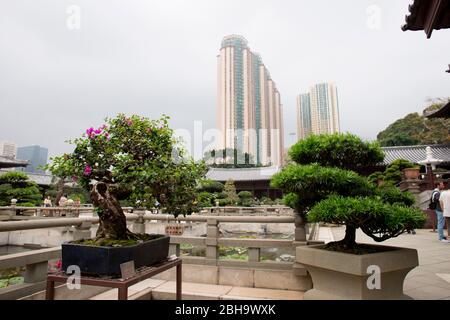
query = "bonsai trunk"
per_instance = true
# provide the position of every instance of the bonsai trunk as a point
(113, 224)
(60, 189)
(300, 227)
(349, 240)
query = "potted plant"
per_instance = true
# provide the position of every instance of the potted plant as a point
(412, 173)
(134, 159)
(324, 186)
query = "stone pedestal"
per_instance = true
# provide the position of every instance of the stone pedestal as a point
(343, 276)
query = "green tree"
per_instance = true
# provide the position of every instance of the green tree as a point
(210, 186)
(393, 173)
(136, 159)
(245, 199)
(415, 129)
(324, 186)
(16, 185)
(230, 191)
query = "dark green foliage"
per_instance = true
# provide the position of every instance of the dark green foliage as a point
(324, 187)
(210, 186)
(376, 177)
(15, 185)
(376, 218)
(394, 171)
(342, 150)
(415, 129)
(230, 191)
(205, 199)
(393, 195)
(313, 183)
(245, 199)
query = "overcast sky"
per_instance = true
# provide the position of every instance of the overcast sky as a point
(152, 57)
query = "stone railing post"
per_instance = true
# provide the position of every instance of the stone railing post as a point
(174, 249)
(412, 185)
(139, 223)
(36, 272)
(212, 233)
(13, 207)
(254, 254)
(82, 231)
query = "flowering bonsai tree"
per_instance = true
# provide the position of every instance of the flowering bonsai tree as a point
(131, 158)
(324, 186)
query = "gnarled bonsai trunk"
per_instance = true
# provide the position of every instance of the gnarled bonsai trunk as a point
(113, 224)
(349, 240)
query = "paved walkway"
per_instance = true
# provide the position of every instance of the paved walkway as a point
(431, 279)
(165, 290)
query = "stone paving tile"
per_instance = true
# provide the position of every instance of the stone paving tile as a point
(266, 294)
(428, 293)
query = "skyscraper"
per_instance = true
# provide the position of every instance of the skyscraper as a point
(36, 156)
(318, 111)
(249, 110)
(8, 149)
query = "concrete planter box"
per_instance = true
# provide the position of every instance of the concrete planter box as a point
(343, 276)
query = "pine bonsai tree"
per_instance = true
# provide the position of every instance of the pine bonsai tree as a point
(230, 191)
(15, 185)
(324, 186)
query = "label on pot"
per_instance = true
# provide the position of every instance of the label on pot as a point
(127, 269)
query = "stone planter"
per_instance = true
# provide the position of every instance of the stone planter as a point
(411, 173)
(343, 276)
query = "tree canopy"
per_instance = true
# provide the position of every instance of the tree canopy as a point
(415, 129)
(323, 187)
(133, 158)
(16, 185)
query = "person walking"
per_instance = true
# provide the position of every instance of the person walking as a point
(436, 206)
(444, 202)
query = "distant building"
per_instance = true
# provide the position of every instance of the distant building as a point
(318, 111)
(249, 109)
(35, 155)
(8, 149)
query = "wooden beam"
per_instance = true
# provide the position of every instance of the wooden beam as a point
(435, 9)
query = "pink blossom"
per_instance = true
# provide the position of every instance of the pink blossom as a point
(74, 179)
(89, 132)
(129, 122)
(98, 131)
(87, 170)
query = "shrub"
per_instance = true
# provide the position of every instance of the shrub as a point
(230, 191)
(245, 199)
(266, 201)
(210, 186)
(15, 185)
(205, 199)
